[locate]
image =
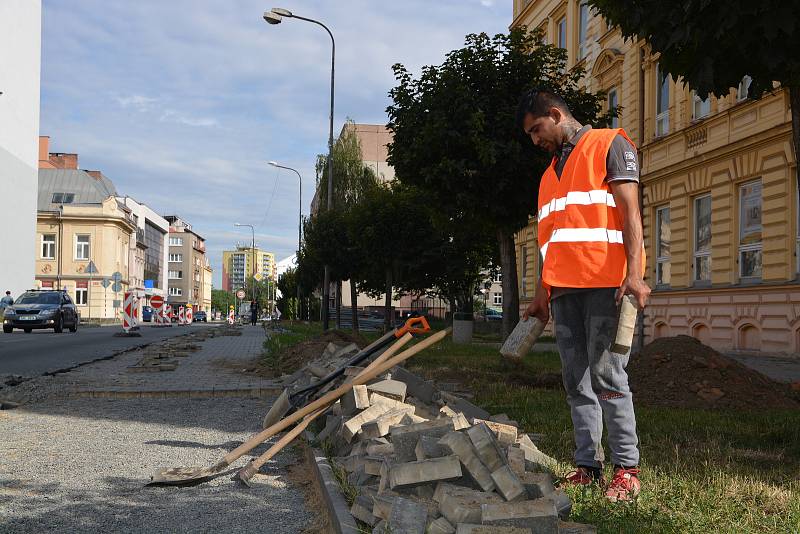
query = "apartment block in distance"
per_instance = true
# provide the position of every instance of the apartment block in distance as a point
(237, 266)
(721, 218)
(187, 266)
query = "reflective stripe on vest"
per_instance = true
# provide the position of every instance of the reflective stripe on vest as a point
(579, 228)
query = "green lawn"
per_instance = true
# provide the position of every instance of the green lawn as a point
(702, 471)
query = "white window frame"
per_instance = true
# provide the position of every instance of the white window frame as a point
(50, 245)
(178, 258)
(583, 29)
(176, 241)
(662, 260)
(743, 88)
(662, 108)
(700, 108)
(175, 292)
(700, 254)
(175, 275)
(497, 299)
(750, 247)
(561, 32)
(84, 246)
(613, 103)
(82, 301)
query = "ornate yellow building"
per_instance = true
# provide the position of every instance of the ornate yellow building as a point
(719, 192)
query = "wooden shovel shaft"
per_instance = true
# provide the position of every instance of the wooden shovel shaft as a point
(253, 467)
(328, 398)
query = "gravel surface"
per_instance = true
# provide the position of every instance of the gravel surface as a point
(80, 466)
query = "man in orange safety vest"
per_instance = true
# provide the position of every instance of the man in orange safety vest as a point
(590, 238)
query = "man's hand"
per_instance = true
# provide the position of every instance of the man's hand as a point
(540, 307)
(634, 286)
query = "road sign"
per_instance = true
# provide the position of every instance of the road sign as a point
(157, 301)
(240, 294)
(106, 282)
(117, 276)
(116, 287)
(258, 276)
(91, 268)
(117, 303)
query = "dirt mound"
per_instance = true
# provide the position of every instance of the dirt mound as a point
(294, 357)
(682, 372)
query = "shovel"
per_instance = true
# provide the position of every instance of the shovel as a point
(288, 402)
(194, 475)
(252, 467)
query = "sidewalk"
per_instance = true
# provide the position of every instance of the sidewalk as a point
(81, 464)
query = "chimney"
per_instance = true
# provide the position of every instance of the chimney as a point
(94, 174)
(44, 152)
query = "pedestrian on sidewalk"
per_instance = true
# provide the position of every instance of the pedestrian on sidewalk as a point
(590, 235)
(253, 312)
(5, 302)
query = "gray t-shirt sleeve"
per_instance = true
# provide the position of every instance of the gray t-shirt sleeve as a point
(621, 162)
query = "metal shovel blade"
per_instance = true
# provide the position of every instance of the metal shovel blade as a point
(184, 476)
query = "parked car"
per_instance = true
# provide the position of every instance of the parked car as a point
(200, 317)
(489, 315)
(147, 314)
(38, 309)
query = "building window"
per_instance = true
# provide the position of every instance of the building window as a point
(700, 107)
(176, 258)
(48, 246)
(82, 247)
(175, 275)
(497, 277)
(702, 238)
(662, 102)
(63, 198)
(497, 299)
(561, 32)
(175, 292)
(743, 90)
(613, 102)
(176, 241)
(583, 24)
(81, 296)
(662, 247)
(750, 230)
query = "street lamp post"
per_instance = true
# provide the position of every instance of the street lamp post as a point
(299, 228)
(253, 250)
(275, 17)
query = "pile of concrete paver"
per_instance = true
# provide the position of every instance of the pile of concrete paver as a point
(429, 461)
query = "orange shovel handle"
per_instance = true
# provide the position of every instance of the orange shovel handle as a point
(415, 325)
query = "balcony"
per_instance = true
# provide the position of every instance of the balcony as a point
(199, 246)
(140, 242)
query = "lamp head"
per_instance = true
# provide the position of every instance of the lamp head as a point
(272, 18)
(273, 163)
(282, 12)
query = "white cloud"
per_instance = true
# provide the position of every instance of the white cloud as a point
(140, 103)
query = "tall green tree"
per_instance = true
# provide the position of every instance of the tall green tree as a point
(221, 300)
(712, 46)
(457, 139)
(351, 181)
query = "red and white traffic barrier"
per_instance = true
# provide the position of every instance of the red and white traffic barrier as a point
(189, 314)
(230, 316)
(128, 313)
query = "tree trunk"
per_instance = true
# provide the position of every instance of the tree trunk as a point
(353, 307)
(387, 306)
(508, 267)
(338, 304)
(794, 104)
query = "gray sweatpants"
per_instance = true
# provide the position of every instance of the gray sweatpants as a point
(595, 378)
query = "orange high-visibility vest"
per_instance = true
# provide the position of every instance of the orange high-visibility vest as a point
(579, 227)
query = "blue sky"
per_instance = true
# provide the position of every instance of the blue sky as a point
(182, 102)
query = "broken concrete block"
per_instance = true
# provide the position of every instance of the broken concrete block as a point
(447, 411)
(575, 528)
(516, 460)
(469, 528)
(350, 463)
(503, 418)
(411, 419)
(355, 399)
(372, 465)
(352, 370)
(415, 385)
(561, 501)
(353, 425)
(382, 504)
(535, 460)
(463, 505)
(460, 422)
(370, 490)
(379, 427)
(412, 474)
(422, 409)
(376, 449)
(425, 492)
(506, 434)
(381, 527)
(460, 445)
(486, 446)
(332, 425)
(540, 515)
(440, 526)
(317, 370)
(508, 484)
(362, 510)
(394, 389)
(408, 517)
(428, 447)
(537, 485)
(360, 477)
(464, 406)
(404, 438)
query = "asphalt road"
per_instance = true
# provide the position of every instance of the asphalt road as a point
(43, 351)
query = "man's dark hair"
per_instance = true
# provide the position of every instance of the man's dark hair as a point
(538, 102)
(8, 292)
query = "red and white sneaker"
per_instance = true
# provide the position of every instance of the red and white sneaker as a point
(584, 476)
(625, 485)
